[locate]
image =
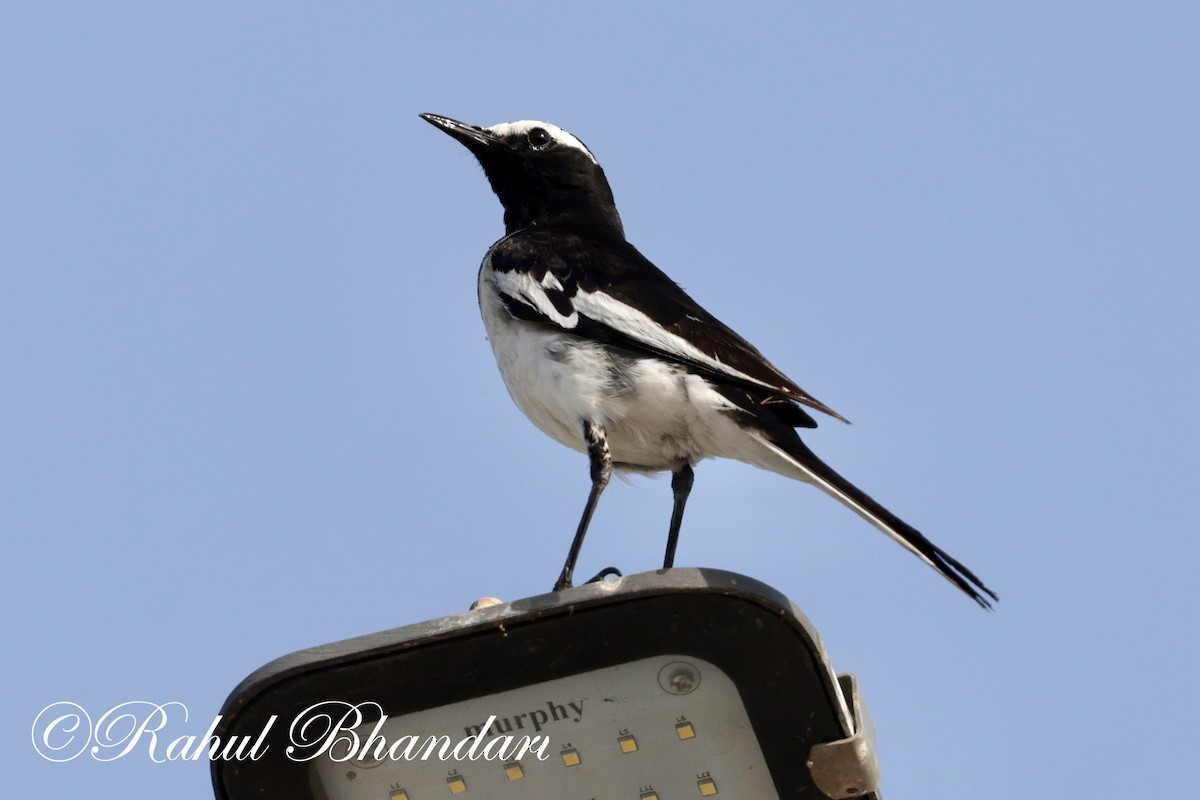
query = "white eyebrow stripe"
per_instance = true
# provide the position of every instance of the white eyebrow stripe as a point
(523, 126)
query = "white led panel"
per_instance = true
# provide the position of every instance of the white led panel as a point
(660, 728)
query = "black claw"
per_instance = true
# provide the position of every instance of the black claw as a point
(604, 573)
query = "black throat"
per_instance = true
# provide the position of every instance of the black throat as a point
(579, 200)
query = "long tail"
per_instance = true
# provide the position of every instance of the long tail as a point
(817, 472)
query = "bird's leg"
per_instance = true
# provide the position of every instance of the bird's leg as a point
(601, 462)
(681, 486)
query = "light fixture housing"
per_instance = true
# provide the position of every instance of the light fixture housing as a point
(671, 684)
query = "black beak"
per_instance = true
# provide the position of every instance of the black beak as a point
(477, 140)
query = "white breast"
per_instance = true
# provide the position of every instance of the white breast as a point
(656, 415)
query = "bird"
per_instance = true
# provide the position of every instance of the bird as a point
(607, 355)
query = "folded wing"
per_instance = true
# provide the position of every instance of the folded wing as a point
(615, 295)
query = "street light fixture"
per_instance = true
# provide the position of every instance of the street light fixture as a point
(674, 684)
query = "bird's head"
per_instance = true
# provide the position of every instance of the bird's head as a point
(543, 175)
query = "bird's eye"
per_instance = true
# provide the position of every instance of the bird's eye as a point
(539, 138)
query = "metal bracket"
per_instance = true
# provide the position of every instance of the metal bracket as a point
(848, 767)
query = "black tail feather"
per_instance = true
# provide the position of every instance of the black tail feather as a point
(866, 506)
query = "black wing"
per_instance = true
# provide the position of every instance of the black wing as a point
(608, 291)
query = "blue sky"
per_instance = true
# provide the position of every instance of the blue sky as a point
(247, 405)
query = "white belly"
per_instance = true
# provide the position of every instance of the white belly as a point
(656, 415)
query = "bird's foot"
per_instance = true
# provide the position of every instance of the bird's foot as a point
(604, 573)
(564, 580)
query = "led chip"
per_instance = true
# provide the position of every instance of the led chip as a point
(570, 757)
(650, 795)
(685, 730)
(398, 794)
(708, 787)
(628, 744)
(514, 771)
(457, 784)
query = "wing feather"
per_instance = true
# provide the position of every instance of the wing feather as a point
(610, 292)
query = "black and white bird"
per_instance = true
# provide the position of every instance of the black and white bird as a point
(607, 355)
